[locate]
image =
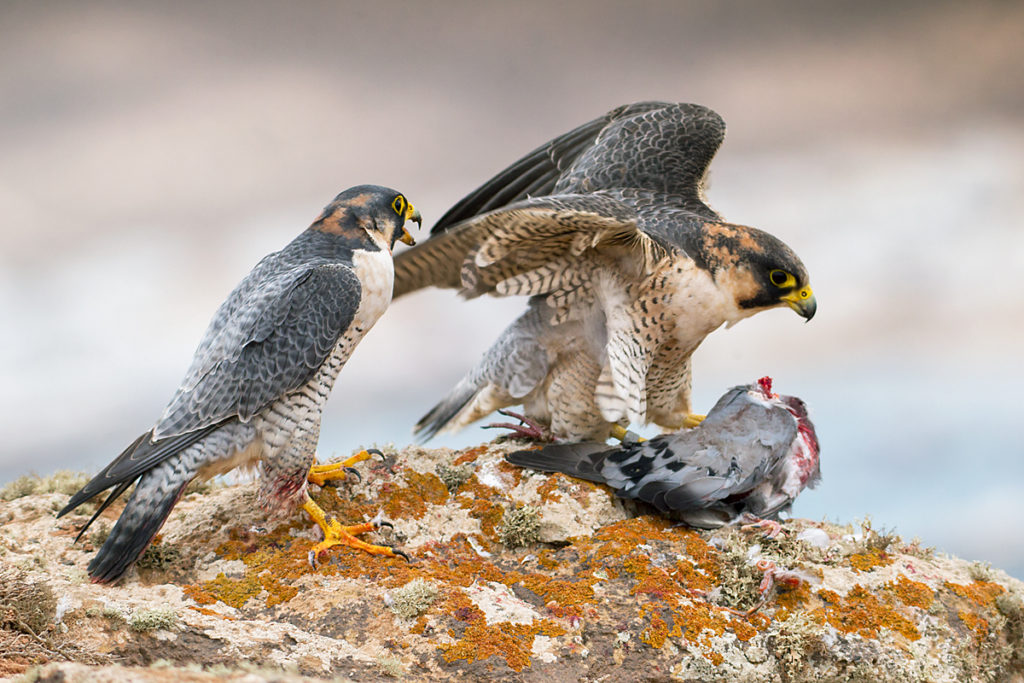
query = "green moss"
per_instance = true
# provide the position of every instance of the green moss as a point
(520, 526)
(161, 618)
(413, 599)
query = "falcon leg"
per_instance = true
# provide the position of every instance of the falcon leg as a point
(771, 527)
(692, 420)
(526, 429)
(336, 534)
(625, 436)
(320, 474)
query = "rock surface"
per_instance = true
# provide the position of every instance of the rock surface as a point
(516, 575)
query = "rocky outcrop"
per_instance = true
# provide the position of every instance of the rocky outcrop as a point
(516, 574)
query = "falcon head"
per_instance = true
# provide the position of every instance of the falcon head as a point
(378, 211)
(757, 269)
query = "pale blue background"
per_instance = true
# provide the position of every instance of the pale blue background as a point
(151, 153)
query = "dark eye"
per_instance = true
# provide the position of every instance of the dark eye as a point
(399, 205)
(781, 278)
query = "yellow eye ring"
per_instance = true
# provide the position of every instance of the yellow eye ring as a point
(781, 279)
(399, 205)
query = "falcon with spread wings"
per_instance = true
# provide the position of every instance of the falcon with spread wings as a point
(628, 269)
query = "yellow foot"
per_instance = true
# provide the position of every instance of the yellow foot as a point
(320, 474)
(692, 420)
(624, 435)
(335, 534)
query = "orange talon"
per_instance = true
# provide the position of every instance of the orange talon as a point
(692, 420)
(335, 534)
(336, 471)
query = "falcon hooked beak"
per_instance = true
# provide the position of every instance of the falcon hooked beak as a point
(411, 214)
(802, 301)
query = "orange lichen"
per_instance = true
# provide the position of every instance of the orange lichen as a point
(692, 576)
(563, 592)
(211, 613)
(977, 624)
(868, 561)
(480, 640)
(516, 473)
(981, 593)
(911, 593)
(656, 633)
(743, 630)
(548, 491)
(479, 500)
(403, 502)
(793, 598)
(864, 613)
(231, 592)
(470, 455)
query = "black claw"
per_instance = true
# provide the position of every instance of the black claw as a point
(374, 451)
(401, 553)
(355, 473)
(385, 523)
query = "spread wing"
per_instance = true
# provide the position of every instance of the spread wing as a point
(269, 338)
(641, 166)
(530, 247)
(536, 173)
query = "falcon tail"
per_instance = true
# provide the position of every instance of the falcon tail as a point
(446, 411)
(160, 484)
(579, 460)
(147, 510)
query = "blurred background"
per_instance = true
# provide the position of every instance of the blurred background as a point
(151, 153)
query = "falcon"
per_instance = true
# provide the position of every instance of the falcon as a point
(747, 461)
(628, 269)
(256, 388)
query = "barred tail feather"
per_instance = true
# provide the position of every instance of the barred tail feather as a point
(148, 508)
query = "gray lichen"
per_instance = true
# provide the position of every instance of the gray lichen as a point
(160, 618)
(413, 599)
(454, 476)
(520, 526)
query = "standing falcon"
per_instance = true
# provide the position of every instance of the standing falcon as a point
(749, 459)
(260, 378)
(628, 269)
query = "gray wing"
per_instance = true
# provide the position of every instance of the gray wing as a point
(739, 444)
(537, 173)
(269, 338)
(667, 149)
